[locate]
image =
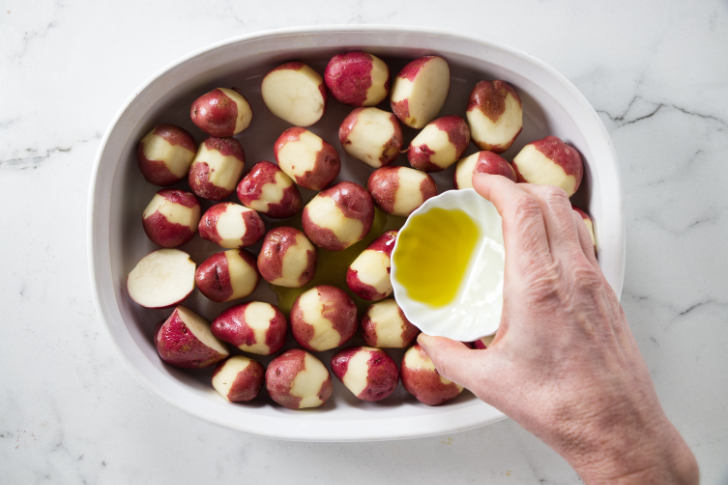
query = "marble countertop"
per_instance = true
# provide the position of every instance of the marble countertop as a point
(71, 412)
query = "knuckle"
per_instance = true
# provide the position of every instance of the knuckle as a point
(526, 208)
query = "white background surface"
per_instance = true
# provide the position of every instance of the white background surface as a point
(70, 411)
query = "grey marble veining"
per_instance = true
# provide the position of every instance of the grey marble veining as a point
(656, 72)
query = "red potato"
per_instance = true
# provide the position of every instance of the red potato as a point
(171, 217)
(550, 161)
(184, 340)
(256, 327)
(165, 154)
(297, 380)
(420, 90)
(221, 112)
(385, 326)
(357, 78)
(368, 274)
(422, 380)
(227, 275)
(483, 343)
(323, 318)
(231, 225)
(371, 135)
(481, 162)
(217, 167)
(287, 258)
(268, 190)
(306, 158)
(162, 278)
(238, 379)
(400, 190)
(440, 144)
(495, 115)
(589, 225)
(339, 216)
(295, 93)
(369, 373)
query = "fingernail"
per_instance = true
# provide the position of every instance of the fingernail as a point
(423, 339)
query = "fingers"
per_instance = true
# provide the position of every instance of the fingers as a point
(585, 239)
(559, 221)
(524, 230)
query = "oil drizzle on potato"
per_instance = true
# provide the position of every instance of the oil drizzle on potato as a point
(433, 254)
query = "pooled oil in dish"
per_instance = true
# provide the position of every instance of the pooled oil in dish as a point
(433, 254)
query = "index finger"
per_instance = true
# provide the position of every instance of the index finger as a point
(524, 230)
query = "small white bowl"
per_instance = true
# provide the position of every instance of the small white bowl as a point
(552, 105)
(475, 311)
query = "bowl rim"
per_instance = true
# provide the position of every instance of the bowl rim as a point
(449, 420)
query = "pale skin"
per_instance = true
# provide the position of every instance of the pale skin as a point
(564, 363)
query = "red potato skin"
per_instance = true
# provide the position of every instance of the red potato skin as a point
(426, 385)
(254, 225)
(279, 378)
(251, 186)
(179, 347)
(326, 166)
(212, 276)
(383, 184)
(457, 132)
(369, 331)
(492, 163)
(274, 247)
(169, 234)
(348, 77)
(215, 113)
(382, 373)
(409, 72)
(338, 308)
(565, 155)
(490, 98)
(355, 203)
(155, 171)
(247, 384)
(391, 149)
(199, 174)
(230, 326)
(384, 244)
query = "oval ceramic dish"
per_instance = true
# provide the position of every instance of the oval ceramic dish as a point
(551, 104)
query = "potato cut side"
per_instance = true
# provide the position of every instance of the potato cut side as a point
(224, 378)
(162, 278)
(294, 95)
(201, 330)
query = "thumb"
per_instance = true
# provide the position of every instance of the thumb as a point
(453, 360)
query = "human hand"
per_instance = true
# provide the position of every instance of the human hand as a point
(564, 363)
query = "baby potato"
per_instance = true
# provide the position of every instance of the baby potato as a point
(170, 219)
(217, 167)
(268, 190)
(184, 340)
(400, 190)
(231, 225)
(227, 275)
(370, 374)
(339, 216)
(420, 90)
(495, 115)
(323, 318)
(238, 378)
(371, 135)
(481, 162)
(385, 326)
(550, 161)
(165, 154)
(368, 274)
(295, 93)
(357, 78)
(297, 380)
(422, 380)
(306, 158)
(439, 144)
(221, 112)
(287, 258)
(256, 327)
